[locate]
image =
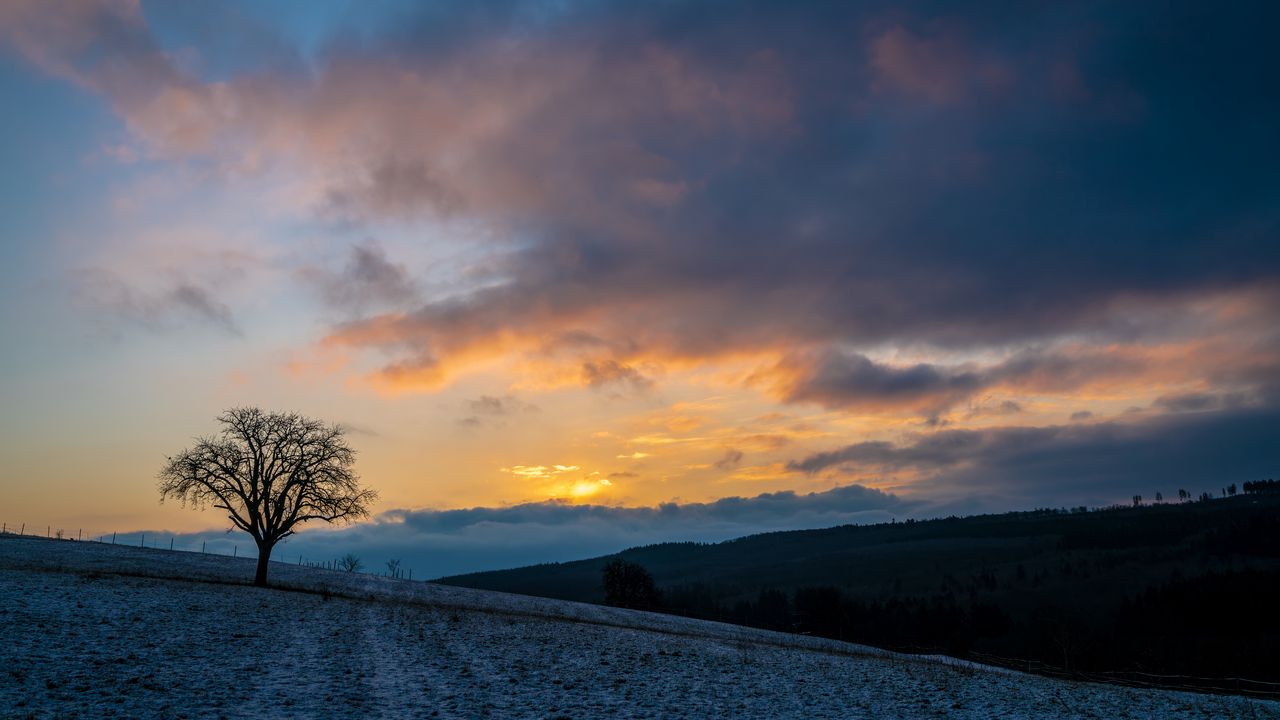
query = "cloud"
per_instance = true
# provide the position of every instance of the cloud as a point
(658, 185)
(368, 280)
(941, 69)
(491, 410)
(1004, 407)
(173, 307)
(611, 372)
(767, 190)
(1197, 402)
(505, 405)
(731, 459)
(1073, 464)
(836, 378)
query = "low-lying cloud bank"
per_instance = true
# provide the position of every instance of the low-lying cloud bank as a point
(446, 542)
(1076, 464)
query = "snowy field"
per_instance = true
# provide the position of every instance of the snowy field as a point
(96, 630)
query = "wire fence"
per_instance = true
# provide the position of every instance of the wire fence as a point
(179, 543)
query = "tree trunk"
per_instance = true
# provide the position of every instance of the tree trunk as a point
(264, 557)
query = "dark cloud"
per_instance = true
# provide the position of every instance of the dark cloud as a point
(603, 373)
(367, 281)
(1195, 402)
(505, 405)
(1004, 407)
(492, 410)
(1075, 464)
(1081, 415)
(704, 179)
(197, 302)
(437, 543)
(838, 379)
(395, 187)
(954, 178)
(841, 379)
(730, 460)
(179, 305)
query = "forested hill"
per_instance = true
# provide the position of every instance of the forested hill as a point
(1186, 587)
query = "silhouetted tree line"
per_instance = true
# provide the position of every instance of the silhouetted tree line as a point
(1221, 624)
(1259, 487)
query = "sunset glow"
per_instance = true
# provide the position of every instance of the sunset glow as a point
(549, 262)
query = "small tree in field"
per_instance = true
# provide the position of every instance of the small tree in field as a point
(270, 472)
(629, 585)
(350, 563)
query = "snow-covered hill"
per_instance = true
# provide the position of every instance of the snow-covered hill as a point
(95, 630)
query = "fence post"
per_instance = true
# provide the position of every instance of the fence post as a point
(113, 538)
(24, 529)
(410, 573)
(79, 534)
(202, 547)
(170, 543)
(144, 540)
(234, 549)
(48, 531)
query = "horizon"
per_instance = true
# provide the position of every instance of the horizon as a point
(577, 277)
(372, 547)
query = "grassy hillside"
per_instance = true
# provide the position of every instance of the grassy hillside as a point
(1173, 588)
(101, 631)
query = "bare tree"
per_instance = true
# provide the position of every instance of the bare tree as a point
(270, 472)
(350, 563)
(629, 585)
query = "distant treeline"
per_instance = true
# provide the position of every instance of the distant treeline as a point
(1219, 623)
(1184, 588)
(1261, 486)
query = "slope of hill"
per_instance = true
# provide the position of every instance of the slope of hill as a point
(101, 631)
(1184, 588)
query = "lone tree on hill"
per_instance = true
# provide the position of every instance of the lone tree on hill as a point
(271, 472)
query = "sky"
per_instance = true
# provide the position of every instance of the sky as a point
(577, 276)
